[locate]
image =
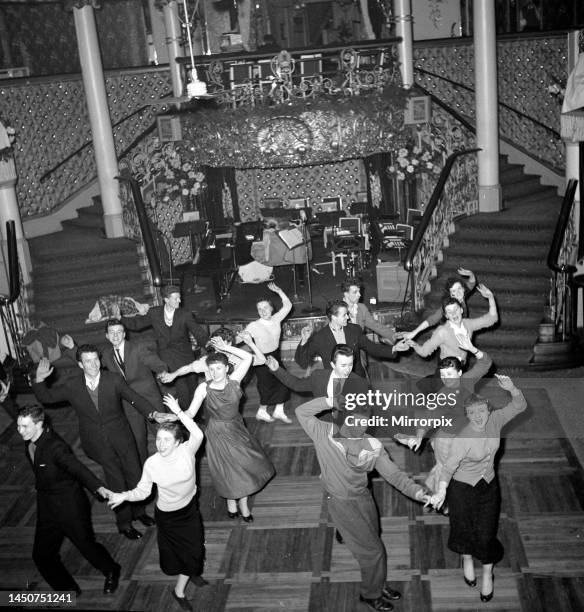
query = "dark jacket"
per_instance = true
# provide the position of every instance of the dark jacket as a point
(56, 468)
(106, 425)
(318, 380)
(322, 343)
(174, 345)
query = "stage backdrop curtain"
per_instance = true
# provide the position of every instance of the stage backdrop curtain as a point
(218, 180)
(378, 164)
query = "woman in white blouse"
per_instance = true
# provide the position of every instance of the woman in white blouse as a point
(180, 529)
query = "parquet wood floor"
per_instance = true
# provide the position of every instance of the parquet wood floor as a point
(288, 559)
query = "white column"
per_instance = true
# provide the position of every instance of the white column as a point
(403, 28)
(573, 164)
(486, 103)
(99, 119)
(173, 44)
(9, 211)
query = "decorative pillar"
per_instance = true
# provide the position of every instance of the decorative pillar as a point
(9, 211)
(486, 104)
(403, 28)
(99, 118)
(173, 44)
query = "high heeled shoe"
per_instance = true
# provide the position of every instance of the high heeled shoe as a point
(233, 515)
(248, 518)
(470, 583)
(487, 598)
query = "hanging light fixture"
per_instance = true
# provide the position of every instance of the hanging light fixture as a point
(195, 87)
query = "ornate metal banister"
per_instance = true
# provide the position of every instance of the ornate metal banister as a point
(560, 261)
(431, 235)
(145, 228)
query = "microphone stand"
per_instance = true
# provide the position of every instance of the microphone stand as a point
(310, 309)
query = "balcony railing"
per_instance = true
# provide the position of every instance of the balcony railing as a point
(251, 79)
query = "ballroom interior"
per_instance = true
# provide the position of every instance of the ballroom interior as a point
(219, 146)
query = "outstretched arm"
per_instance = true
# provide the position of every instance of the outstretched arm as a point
(198, 367)
(291, 381)
(196, 434)
(246, 358)
(197, 402)
(286, 303)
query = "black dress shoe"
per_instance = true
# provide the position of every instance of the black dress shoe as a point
(146, 520)
(112, 580)
(379, 604)
(199, 581)
(248, 518)
(233, 515)
(131, 533)
(183, 602)
(486, 598)
(470, 583)
(339, 537)
(389, 593)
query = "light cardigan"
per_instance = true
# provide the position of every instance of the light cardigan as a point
(472, 453)
(444, 337)
(174, 476)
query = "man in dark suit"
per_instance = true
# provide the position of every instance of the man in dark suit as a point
(172, 327)
(105, 434)
(63, 509)
(135, 362)
(335, 380)
(340, 331)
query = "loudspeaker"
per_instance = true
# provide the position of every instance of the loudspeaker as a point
(13, 270)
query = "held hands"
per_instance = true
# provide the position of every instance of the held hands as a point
(305, 334)
(437, 500)
(245, 336)
(116, 499)
(104, 493)
(421, 496)
(402, 335)
(172, 404)
(401, 346)
(166, 377)
(272, 363)
(412, 442)
(44, 369)
(485, 291)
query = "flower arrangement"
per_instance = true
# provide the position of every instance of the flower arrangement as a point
(414, 161)
(7, 137)
(173, 177)
(557, 90)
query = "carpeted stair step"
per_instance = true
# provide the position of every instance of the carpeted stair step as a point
(55, 246)
(521, 186)
(502, 251)
(70, 263)
(510, 173)
(543, 195)
(81, 277)
(93, 288)
(483, 236)
(490, 265)
(506, 337)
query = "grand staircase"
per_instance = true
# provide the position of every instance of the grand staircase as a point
(507, 251)
(75, 266)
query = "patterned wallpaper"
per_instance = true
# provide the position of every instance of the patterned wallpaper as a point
(526, 66)
(314, 182)
(42, 36)
(49, 115)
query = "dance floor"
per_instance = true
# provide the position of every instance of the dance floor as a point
(288, 559)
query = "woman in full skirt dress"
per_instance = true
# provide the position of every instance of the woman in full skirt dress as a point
(237, 463)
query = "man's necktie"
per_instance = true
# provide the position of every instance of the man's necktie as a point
(120, 362)
(32, 450)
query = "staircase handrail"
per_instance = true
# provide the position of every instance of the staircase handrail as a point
(553, 132)
(563, 294)
(45, 175)
(560, 232)
(422, 229)
(147, 237)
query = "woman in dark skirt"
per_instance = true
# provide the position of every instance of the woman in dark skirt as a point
(180, 529)
(237, 463)
(266, 333)
(473, 491)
